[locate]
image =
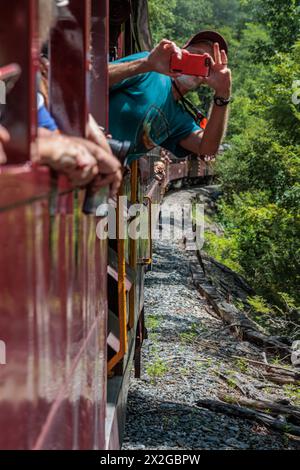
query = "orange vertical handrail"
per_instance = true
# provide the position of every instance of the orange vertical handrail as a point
(149, 260)
(121, 293)
(133, 243)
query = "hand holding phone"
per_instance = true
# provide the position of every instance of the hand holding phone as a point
(191, 64)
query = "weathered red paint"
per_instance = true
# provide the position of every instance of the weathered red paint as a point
(18, 41)
(178, 170)
(69, 72)
(52, 274)
(100, 48)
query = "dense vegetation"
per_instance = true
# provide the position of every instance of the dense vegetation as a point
(260, 173)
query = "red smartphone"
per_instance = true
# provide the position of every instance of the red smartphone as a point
(191, 64)
(10, 74)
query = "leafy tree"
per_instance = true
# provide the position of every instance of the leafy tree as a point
(162, 18)
(282, 19)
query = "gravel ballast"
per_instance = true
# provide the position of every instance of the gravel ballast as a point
(185, 359)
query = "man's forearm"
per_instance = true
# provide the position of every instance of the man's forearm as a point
(122, 70)
(215, 130)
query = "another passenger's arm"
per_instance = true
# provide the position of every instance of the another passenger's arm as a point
(67, 156)
(110, 173)
(81, 159)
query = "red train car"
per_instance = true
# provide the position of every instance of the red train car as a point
(71, 308)
(53, 276)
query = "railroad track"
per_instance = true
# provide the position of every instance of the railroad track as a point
(190, 356)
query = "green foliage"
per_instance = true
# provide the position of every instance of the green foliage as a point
(258, 304)
(190, 17)
(190, 335)
(223, 249)
(162, 18)
(153, 322)
(267, 243)
(156, 369)
(282, 20)
(293, 392)
(242, 365)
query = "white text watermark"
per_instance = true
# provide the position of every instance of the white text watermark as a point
(152, 221)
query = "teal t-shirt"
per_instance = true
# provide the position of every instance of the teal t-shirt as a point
(143, 110)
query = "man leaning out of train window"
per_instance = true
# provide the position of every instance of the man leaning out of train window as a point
(148, 104)
(82, 160)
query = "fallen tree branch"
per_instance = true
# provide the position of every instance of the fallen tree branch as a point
(237, 381)
(266, 385)
(290, 411)
(287, 370)
(233, 381)
(281, 379)
(248, 413)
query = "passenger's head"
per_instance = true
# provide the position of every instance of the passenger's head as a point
(192, 82)
(201, 43)
(207, 37)
(47, 15)
(202, 48)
